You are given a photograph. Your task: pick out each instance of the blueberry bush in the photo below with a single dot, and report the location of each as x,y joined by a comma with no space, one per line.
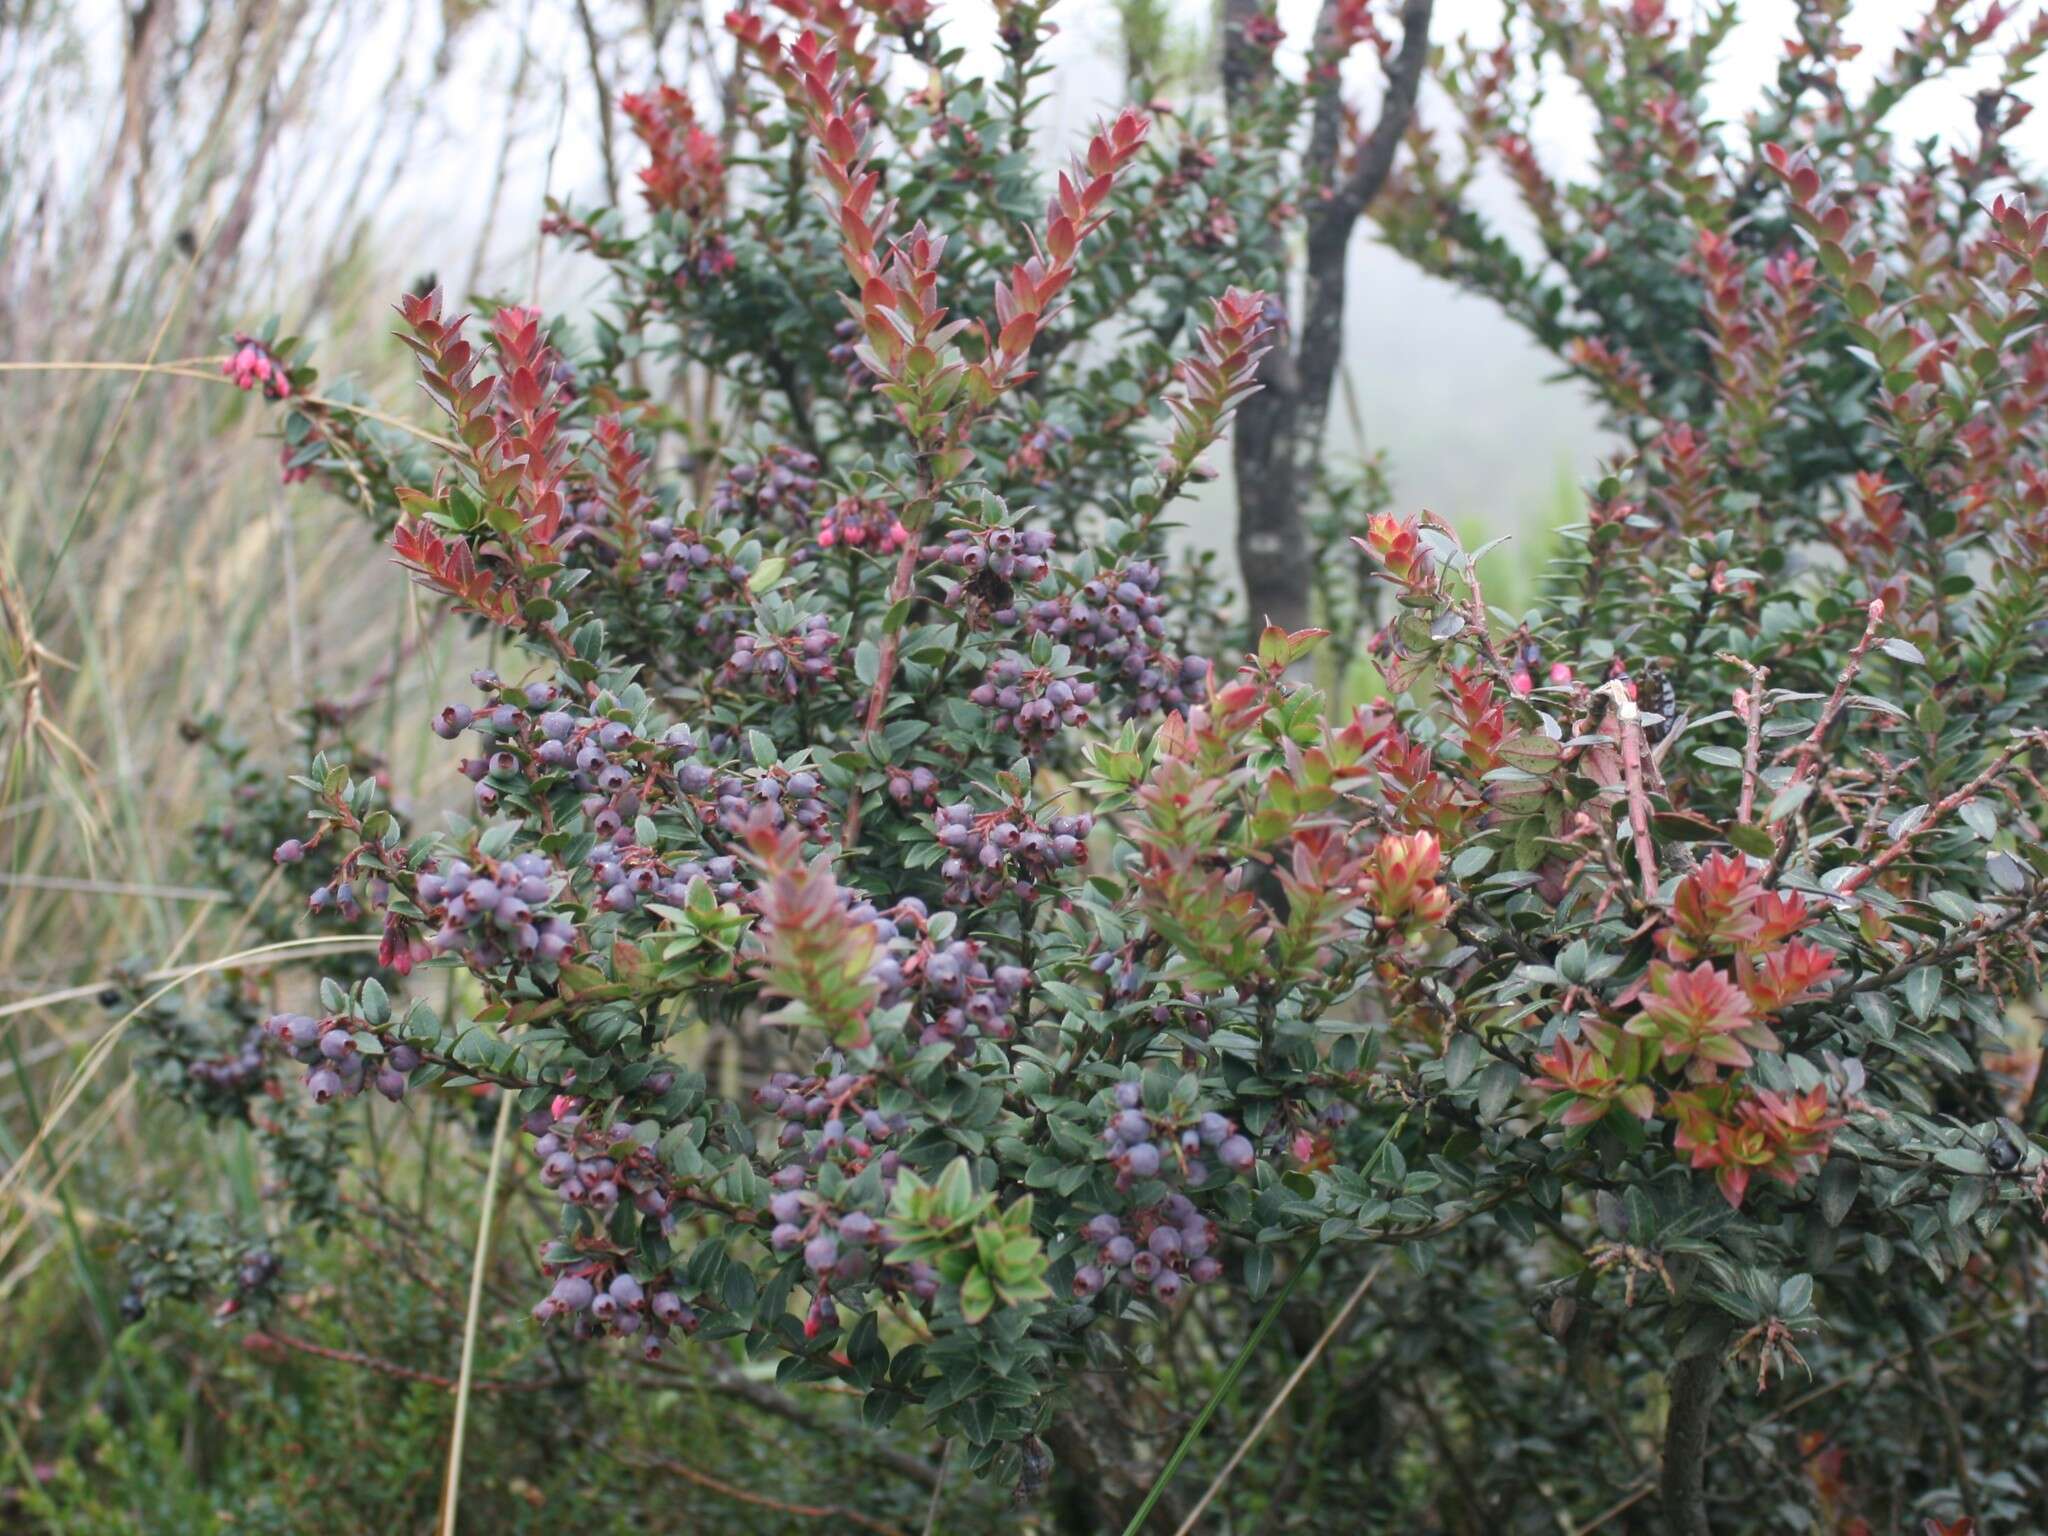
1647,971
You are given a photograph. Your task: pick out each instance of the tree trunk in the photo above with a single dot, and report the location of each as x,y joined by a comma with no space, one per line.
1694,1384
1278,447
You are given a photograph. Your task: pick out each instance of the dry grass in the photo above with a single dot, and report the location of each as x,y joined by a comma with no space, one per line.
153,569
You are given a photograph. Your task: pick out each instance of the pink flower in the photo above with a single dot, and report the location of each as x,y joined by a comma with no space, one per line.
1560,674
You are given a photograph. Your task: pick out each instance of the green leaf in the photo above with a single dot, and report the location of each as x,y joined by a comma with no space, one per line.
1838,1184
1752,840
1472,860
1461,1059
1258,1271
1981,817
1965,1198
1496,1086
1923,992
977,1296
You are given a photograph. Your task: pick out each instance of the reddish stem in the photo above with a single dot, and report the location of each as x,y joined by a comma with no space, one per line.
1937,814
885,671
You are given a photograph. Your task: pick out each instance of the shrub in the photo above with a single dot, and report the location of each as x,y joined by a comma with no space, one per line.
1646,963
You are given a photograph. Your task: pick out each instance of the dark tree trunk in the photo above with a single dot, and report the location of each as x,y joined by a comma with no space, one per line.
1098,1480
1279,437
1694,1384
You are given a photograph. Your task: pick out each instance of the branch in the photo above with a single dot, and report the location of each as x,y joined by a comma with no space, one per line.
1751,708
690,1474
1806,756
1404,79
1951,1429
1937,813
1630,719
264,1342
900,587
770,1401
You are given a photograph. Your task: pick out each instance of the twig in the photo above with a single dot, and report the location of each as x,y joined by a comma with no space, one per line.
885,669
266,1339
214,376
1952,1431
1937,813
1805,757
1753,718
1475,608
1631,722
768,1400
690,1474
1280,1398
931,1513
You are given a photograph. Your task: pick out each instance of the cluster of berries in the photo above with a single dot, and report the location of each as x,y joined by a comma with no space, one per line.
784,664
824,1124
1157,1250
258,1269
956,993
1114,623
1529,662
778,491
681,556
628,874
822,1121
836,1244
1035,702
252,363
991,852
918,786
255,1278
597,1166
492,911
602,758
1034,453
337,1065
860,523
709,260
775,796
339,897
991,561
844,355
233,1077
256,1275
601,1300
606,760
1145,1146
